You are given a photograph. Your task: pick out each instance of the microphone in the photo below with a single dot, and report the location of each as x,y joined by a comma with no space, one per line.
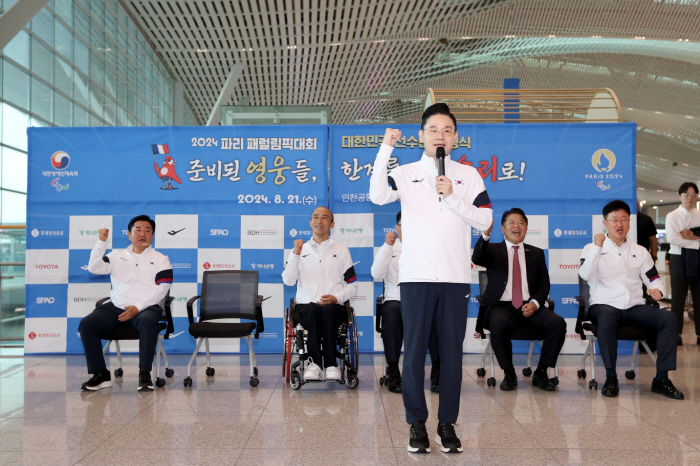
440,154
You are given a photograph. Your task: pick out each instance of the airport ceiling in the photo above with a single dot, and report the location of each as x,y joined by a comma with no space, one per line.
373,60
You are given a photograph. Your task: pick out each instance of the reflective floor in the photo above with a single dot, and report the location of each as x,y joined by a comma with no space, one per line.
45,419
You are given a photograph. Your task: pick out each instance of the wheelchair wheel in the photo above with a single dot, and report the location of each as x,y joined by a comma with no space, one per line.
353,350
295,381
353,381
289,342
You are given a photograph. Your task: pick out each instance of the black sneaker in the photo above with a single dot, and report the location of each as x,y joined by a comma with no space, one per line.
418,442
145,382
100,380
447,439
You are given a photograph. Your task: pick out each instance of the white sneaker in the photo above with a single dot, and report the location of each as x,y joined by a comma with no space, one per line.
332,373
312,372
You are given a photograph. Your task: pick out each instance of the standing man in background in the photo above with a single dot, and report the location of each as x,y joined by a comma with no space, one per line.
438,213
646,233
678,225
386,267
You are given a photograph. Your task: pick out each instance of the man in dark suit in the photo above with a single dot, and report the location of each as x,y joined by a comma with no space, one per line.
518,286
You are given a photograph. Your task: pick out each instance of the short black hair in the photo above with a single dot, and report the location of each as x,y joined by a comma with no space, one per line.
513,210
437,109
398,218
684,187
142,218
612,206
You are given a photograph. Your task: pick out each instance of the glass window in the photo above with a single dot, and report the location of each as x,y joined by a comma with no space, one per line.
64,41
121,64
97,70
81,23
121,93
42,26
42,100
14,127
15,85
111,24
80,89
18,49
97,10
111,53
96,101
95,121
130,101
109,116
14,208
14,170
110,83
122,39
97,40
82,56
121,116
63,110
64,77
64,9
42,61
80,116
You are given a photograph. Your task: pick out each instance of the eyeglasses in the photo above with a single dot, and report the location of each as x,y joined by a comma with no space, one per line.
690,195
433,132
615,221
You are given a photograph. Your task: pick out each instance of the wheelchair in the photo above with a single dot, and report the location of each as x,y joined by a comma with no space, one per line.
295,344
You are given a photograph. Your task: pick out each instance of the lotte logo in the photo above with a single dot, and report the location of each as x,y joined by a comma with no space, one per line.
206,266
32,335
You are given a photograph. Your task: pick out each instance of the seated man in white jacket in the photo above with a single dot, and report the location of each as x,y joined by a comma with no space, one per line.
386,267
141,278
325,277
615,269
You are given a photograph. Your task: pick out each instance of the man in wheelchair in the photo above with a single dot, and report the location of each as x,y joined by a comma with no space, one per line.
615,269
141,278
325,277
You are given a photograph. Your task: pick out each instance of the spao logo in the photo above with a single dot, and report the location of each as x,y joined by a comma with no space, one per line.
569,301
45,300
217,232
599,160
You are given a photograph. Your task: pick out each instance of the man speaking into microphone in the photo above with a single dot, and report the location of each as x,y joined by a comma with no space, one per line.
438,211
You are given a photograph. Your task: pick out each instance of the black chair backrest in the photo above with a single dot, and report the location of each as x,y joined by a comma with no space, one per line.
585,294
228,294
483,281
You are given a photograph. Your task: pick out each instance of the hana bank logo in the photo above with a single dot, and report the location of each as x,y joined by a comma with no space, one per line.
60,160
599,157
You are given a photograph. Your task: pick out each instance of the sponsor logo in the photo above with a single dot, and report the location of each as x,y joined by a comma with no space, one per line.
84,267
603,186
358,298
35,233
262,232
46,267
89,232
33,335
59,187
306,255
217,232
89,299
569,266
293,233
208,266
268,335
603,160
45,300
60,160
418,181
387,230
534,232
262,266
557,232
173,232
182,265
351,230
569,301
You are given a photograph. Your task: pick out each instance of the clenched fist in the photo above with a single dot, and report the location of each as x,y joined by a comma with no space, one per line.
391,136
103,234
390,238
298,244
599,239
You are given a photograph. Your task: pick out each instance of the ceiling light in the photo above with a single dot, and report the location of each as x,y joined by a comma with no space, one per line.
661,200
466,37
659,113
201,50
663,160
690,117
291,46
641,189
654,207
379,40
659,190
337,43
685,164
552,35
630,109
423,38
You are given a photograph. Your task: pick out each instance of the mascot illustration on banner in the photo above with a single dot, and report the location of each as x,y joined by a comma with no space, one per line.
167,171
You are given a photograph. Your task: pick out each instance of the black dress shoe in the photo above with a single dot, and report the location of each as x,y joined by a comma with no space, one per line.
666,388
541,379
510,382
611,387
395,383
435,379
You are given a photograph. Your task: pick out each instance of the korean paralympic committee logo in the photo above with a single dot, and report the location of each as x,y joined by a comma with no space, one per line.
599,156
60,160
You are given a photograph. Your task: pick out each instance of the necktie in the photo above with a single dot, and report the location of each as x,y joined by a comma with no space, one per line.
517,295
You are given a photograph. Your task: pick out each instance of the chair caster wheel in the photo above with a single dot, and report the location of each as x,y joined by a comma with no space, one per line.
555,380
383,381
295,381
169,372
581,374
187,382
160,382
527,372
491,381
593,385
352,381
210,372
254,381
630,375
481,372
118,373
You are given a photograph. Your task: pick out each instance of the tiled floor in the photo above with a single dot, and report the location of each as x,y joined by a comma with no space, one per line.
46,420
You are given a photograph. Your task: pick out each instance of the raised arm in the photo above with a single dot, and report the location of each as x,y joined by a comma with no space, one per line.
380,266
382,187
290,274
590,257
100,264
